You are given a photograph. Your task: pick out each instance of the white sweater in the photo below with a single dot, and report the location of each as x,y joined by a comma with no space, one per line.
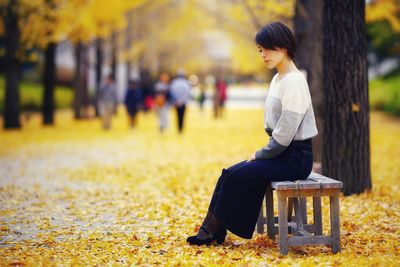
180,89
288,114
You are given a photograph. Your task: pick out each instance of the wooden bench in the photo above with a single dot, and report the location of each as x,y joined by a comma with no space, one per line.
292,195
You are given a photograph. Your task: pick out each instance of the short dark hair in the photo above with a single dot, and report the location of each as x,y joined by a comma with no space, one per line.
277,35
133,82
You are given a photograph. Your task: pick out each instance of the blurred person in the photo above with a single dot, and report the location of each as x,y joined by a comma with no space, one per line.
219,97
161,101
133,101
289,121
147,91
202,96
180,91
107,100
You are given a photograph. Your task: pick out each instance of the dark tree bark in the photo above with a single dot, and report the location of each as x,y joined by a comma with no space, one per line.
346,150
114,55
128,44
85,81
308,31
99,71
114,61
12,70
49,80
77,81
81,100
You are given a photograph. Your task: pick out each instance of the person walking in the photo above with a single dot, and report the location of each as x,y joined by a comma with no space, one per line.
220,96
107,100
180,91
289,121
133,101
202,96
161,95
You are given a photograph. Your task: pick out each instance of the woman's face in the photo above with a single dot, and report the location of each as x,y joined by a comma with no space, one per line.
272,57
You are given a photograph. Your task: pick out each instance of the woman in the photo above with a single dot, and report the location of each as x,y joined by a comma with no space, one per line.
161,91
290,123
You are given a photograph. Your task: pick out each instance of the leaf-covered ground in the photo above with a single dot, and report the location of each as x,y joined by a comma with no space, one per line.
77,195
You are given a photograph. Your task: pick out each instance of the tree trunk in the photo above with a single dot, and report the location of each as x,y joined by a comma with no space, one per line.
81,100
114,62
346,149
77,82
49,80
308,31
84,81
114,55
99,73
12,71
128,44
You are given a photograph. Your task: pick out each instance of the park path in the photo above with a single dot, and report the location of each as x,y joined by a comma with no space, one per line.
74,194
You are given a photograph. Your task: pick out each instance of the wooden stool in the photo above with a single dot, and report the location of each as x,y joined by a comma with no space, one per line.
292,194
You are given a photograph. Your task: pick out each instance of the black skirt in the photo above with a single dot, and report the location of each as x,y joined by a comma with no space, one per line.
240,190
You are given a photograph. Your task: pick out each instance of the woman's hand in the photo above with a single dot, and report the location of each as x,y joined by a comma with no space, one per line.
252,157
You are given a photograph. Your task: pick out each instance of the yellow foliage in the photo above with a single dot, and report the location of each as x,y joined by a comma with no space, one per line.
242,20
76,195
43,21
242,53
168,35
384,10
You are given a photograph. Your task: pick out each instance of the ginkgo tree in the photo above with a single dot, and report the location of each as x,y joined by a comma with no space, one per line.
41,24
383,25
241,19
166,35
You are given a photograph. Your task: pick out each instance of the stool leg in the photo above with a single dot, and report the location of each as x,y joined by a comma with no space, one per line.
317,215
298,213
303,209
283,224
290,209
260,222
270,217
335,223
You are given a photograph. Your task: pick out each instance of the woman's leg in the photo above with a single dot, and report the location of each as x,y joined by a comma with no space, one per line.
241,193
164,116
225,173
210,220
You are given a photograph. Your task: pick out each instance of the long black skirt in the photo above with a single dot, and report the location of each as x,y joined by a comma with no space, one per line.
238,195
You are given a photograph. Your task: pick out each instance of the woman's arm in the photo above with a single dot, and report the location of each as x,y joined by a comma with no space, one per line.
272,149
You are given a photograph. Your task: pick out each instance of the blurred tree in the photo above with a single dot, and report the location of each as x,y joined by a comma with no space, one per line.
43,23
97,19
241,19
308,30
81,97
346,142
385,41
114,51
99,71
38,23
128,43
49,70
49,81
12,61
179,43
388,10
383,18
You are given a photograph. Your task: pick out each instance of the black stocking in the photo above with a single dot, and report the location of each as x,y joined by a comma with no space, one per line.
212,225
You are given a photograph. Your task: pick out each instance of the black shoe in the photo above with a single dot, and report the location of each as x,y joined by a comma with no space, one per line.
219,236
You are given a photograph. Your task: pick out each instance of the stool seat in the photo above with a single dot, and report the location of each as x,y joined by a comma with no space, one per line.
292,196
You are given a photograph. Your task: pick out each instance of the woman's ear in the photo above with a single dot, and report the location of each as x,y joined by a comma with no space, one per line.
281,49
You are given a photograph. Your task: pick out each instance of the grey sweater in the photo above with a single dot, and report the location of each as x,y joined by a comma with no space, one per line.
288,114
